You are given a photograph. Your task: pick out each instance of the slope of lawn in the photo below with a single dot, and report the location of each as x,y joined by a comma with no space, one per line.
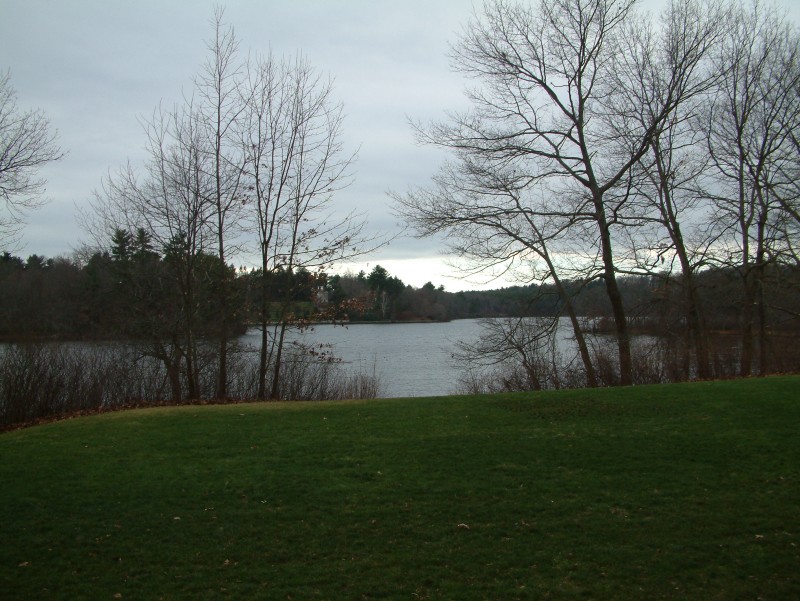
680,491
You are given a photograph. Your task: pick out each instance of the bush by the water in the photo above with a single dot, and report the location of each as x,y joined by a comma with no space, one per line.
45,381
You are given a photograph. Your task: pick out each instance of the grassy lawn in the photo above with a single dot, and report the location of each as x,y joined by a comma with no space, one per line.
680,491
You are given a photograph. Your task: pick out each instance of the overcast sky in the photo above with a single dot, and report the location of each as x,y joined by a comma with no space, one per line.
97,67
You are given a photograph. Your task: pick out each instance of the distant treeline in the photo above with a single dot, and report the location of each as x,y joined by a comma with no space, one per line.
130,290
654,302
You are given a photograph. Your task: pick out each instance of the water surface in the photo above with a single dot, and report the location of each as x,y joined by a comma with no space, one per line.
410,359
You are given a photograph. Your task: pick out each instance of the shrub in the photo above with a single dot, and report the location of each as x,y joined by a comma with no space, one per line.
47,381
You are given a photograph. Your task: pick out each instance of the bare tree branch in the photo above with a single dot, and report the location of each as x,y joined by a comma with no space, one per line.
27,143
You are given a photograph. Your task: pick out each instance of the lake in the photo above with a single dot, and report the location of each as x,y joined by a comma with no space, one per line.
410,359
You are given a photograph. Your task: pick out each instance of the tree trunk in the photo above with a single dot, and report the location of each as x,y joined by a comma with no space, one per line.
758,283
172,365
621,327
694,315
222,382
263,361
614,296
278,357
174,377
762,324
192,372
580,339
746,326
190,352
697,334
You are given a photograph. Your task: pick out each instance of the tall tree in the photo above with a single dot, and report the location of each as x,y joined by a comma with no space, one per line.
385,289
667,178
558,84
220,105
255,150
749,127
291,132
171,199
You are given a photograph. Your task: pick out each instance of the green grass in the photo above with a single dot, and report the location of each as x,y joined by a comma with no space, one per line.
680,491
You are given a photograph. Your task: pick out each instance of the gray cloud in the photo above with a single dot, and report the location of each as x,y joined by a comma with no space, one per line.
97,67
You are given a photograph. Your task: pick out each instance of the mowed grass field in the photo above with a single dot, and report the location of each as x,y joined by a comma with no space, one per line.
685,491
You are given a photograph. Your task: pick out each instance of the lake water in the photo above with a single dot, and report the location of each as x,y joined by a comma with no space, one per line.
410,359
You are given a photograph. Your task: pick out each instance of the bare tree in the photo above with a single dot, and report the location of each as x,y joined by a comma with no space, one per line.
218,88
666,179
291,129
788,192
785,185
27,143
565,104
171,199
749,132
673,238
255,148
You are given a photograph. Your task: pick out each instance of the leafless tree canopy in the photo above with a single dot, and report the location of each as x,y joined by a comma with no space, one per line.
603,141
250,160
27,143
